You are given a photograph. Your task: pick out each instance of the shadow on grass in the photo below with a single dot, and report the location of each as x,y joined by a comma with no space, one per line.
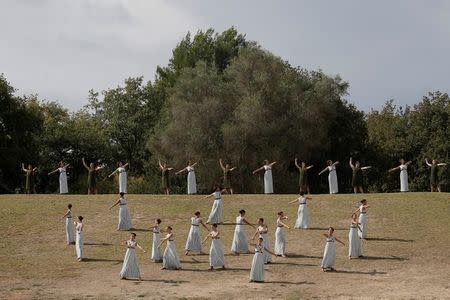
292,264
290,282
292,255
392,257
374,272
389,240
98,244
102,260
323,228
164,281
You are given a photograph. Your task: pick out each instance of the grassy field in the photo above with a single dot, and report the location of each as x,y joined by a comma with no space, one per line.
406,255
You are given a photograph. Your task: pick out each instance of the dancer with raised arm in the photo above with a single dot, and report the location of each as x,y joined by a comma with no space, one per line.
165,182
124,215
280,239
79,241
130,268
227,169
257,270
354,241
121,170
216,256
170,256
332,176
240,244
262,232
216,215
156,233
302,221
362,220
92,176
30,172
329,254
62,169
434,180
268,180
357,177
194,241
191,181
69,225
403,167
303,180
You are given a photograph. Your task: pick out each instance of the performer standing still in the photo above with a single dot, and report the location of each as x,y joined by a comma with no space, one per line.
268,181
62,177
434,180
165,183
30,172
403,167
332,176
191,181
357,177
92,176
227,169
303,180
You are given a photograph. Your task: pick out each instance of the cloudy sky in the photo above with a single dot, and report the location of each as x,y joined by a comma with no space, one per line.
60,49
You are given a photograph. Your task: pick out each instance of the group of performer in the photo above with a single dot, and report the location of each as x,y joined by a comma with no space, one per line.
240,244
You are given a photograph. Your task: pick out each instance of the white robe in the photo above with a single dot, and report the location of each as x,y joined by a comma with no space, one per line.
332,180
63,189
404,178
280,240
194,242
79,242
191,181
240,243
216,255
216,215
302,214
170,256
124,216
69,228
130,268
329,254
363,222
268,182
354,242
257,270
122,179
156,253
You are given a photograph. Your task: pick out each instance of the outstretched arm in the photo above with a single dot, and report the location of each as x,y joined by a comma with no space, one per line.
117,202
181,171
206,238
296,163
272,163
139,246
426,161
257,170
66,214
285,225
52,172
254,235
206,227
232,169
393,169
321,172
441,164
23,168
160,165
339,241
335,163
351,163
194,164
307,168
366,168
293,201
248,223
34,169
221,164
84,164
112,173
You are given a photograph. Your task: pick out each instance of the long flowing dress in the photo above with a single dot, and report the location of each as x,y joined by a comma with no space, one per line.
239,244
354,242
280,240
170,256
29,183
63,189
216,256
357,177
268,182
329,254
404,178
69,228
332,179
122,179
156,253
124,215
302,214
216,215
363,222
130,268
194,242
92,179
263,233
165,179
303,181
227,179
79,242
191,181
257,270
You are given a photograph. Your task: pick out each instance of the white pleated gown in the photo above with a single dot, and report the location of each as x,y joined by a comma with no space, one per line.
194,242
302,214
69,228
239,244
332,180
354,242
79,241
122,179
263,234
257,270
268,181
63,189
404,187
363,221
170,257
280,240
156,253
191,181
130,268
124,216
216,215
329,254
216,256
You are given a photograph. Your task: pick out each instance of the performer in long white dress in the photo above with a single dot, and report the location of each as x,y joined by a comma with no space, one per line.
362,220
332,176
191,181
170,256
121,170
354,241
329,254
262,231
240,243
216,215
130,268
257,270
156,253
63,189
268,181
216,256
280,239
403,167
194,241
302,221
434,178
124,214
79,241
69,225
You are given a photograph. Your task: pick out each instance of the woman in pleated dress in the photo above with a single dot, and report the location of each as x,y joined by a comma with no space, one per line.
122,171
216,256
191,181
130,268
240,243
268,180
62,169
362,220
357,176
354,241
332,176
216,215
227,169
302,221
124,214
262,231
403,167
194,241
165,182
303,180
156,233
329,254
92,176
69,225
30,173
257,269
79,241
280,239
434,180
170,256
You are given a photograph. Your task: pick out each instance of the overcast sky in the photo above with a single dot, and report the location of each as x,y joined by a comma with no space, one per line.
60,49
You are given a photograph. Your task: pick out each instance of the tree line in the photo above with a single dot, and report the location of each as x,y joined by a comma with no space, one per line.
222,96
